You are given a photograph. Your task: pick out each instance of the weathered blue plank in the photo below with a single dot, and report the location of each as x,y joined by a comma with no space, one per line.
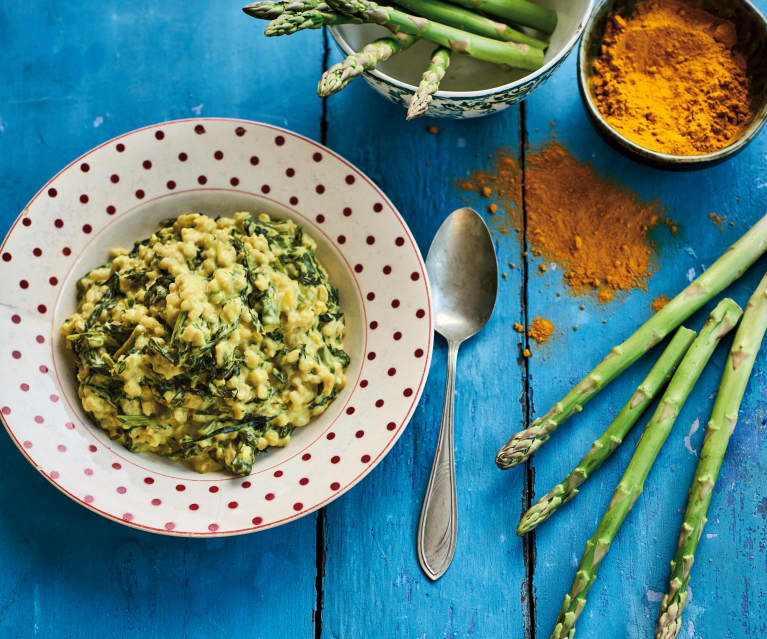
75,74
729,582
373,585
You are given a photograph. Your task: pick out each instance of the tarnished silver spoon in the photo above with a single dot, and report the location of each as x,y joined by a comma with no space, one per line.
464,281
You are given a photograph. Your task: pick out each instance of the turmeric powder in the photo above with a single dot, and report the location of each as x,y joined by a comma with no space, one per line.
671,78
540,330
659,302
596,231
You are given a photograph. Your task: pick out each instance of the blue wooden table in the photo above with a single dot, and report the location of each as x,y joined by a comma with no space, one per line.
77,73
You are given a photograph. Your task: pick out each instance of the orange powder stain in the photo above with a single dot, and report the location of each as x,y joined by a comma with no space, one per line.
540,330
659,302
595,230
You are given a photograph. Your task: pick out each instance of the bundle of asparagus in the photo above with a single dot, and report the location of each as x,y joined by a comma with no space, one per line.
721,320
461,27
682,361
724,416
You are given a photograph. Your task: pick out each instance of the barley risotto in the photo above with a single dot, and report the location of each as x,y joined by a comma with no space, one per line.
210,341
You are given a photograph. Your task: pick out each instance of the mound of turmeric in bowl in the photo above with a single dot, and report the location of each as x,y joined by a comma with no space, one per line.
671,79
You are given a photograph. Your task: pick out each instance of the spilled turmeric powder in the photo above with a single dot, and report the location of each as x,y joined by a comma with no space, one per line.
540,330
595,230
659,302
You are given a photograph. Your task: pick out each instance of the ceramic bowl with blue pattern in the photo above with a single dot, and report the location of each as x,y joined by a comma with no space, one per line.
471,88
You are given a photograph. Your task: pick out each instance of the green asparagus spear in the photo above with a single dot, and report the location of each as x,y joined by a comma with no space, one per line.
470,21
724,416
269,9
339,75
728,268
603,447
519,11
290,22
419,103
509,53
721,320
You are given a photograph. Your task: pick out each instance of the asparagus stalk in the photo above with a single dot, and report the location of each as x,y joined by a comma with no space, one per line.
269,10
724,416
519,11
728,268
419,103
510,53
721,320
339,75
470,21
603,447
289,22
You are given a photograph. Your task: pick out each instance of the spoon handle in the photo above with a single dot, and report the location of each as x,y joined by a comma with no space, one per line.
438,526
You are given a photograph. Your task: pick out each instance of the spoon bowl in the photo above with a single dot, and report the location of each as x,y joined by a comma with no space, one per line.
463,273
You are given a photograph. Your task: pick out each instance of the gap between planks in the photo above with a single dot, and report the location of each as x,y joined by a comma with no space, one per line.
528,541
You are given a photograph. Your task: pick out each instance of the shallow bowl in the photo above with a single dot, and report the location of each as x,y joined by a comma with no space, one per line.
471,88
752,36
116,194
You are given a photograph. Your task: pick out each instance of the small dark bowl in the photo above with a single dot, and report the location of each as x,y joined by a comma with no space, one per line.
752,38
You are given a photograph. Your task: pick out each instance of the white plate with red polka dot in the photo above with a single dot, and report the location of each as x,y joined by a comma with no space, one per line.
116,194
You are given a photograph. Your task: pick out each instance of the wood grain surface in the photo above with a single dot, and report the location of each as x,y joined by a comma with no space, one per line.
75,74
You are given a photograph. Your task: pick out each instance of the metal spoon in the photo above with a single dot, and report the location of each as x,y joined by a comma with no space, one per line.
464,281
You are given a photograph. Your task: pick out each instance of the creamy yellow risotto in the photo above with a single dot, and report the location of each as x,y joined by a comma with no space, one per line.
210,341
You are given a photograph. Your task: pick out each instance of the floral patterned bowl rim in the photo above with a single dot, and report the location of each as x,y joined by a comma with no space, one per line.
115,194
531,77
